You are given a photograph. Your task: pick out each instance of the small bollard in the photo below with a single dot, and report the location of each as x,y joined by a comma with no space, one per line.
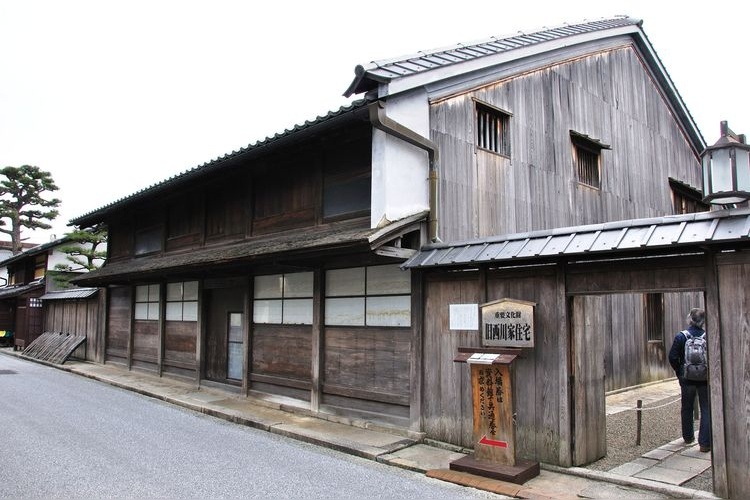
638,417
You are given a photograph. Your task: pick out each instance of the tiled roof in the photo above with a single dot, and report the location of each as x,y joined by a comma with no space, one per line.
34,250
622,237
340,235
93,216
382,71
11,291
71,293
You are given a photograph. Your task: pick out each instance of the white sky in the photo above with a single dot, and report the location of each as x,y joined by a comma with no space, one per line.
112,97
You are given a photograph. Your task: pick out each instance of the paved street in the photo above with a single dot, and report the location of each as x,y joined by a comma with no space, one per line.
65,436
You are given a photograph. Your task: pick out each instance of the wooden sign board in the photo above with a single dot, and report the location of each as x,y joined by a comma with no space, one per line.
494,438
508,323
494,432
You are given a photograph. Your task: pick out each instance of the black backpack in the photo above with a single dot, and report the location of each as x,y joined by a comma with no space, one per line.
695,367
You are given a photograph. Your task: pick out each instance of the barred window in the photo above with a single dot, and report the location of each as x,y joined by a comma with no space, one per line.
654,316
587,158
493,130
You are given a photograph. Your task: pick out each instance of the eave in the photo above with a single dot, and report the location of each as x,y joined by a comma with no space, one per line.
287,246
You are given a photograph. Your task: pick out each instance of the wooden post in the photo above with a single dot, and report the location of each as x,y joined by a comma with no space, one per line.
638,418
316,343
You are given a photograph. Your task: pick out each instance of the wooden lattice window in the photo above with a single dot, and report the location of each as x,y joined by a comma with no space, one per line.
588,159
654,316
493,130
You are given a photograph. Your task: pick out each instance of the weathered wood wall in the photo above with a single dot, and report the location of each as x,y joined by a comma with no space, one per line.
145,353
368,369
609,97
118,325
180,338
730,393
601,345
79,317
539,388
281,359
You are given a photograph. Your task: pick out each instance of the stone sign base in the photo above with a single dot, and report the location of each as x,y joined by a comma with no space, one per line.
518,474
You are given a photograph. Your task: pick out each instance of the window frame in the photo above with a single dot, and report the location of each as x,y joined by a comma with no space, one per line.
284,296
653,317
193,300
584,147
365,298
498,139
151,289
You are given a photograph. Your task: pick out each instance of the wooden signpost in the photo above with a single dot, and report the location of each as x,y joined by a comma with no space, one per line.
505,323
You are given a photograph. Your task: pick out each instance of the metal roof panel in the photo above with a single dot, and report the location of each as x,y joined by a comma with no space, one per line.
511,249
729,229
695,231
617,236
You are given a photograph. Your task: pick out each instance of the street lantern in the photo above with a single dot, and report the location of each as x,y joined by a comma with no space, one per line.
726,169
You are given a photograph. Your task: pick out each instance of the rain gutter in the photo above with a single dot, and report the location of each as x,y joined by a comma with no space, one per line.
391,127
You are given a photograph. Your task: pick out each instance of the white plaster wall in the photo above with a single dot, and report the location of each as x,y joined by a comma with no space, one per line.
55,257
400,170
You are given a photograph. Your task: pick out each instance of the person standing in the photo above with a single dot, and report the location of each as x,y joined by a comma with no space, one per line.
689,386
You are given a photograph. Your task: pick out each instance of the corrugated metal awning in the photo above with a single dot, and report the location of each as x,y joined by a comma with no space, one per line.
679,231
73,293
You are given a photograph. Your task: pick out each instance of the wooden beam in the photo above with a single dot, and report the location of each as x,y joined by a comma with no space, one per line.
247,337
317,340
200,334
415,366
131,325
161,327
716,376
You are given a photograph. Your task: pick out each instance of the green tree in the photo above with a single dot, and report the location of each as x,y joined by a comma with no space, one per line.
22,204
84,249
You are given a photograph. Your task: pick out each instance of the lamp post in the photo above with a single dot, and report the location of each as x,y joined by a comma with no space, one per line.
726,169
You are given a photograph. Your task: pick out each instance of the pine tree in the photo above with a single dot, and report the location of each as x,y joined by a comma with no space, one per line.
21,201
82,253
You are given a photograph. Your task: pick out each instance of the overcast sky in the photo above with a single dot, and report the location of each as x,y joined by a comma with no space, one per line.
112,97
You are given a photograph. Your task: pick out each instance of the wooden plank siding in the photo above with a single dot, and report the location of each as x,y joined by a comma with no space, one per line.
602,346
282,351
79,317
446,404
536,383
118,325
368,369
608,96
730,394
146,345
180,339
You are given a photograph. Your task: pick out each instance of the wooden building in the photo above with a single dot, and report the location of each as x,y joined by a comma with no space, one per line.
32,301
279,269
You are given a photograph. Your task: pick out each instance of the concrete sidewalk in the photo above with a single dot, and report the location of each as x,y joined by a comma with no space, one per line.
395,448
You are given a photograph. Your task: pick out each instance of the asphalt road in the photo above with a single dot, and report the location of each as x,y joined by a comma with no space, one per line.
64,436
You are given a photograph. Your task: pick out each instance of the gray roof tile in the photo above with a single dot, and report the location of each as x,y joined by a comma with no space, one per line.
389,69
689,230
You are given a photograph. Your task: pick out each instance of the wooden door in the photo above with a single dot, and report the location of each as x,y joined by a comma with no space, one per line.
222,305
589,407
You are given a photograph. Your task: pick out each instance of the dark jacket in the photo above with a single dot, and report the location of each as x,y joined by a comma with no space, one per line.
677,353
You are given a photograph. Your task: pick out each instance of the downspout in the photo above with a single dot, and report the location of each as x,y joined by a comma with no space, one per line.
380,121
